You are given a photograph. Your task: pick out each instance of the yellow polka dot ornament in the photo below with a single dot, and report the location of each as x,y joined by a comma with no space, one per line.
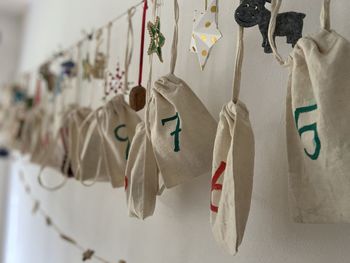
205,32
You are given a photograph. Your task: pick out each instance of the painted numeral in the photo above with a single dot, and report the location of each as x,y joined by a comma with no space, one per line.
308,128
176,132
119,138
215,186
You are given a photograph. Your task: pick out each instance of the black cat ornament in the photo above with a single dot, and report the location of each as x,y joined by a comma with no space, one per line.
253,12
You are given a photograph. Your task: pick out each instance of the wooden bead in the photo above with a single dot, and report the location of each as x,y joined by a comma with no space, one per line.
137,98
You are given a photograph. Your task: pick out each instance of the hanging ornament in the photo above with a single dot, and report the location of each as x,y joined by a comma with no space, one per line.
137,96
205,33
47,75
69,68
115,81
87,68
157,38
100,58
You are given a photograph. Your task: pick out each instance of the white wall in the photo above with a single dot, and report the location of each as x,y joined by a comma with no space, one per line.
10,28
179,231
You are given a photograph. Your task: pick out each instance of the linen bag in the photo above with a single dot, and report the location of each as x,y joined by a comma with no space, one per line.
25,136
36,130
317,124
141,175
78,115
141,181
233,167
56,155
90,165
117,126
117,121
181,128
49,157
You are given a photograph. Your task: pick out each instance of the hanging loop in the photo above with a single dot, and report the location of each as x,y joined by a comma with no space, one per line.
237,75
142,47
325,15
129,48
175,38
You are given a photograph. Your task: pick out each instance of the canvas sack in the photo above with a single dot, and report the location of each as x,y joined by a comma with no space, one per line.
36,133
141,182
141,175
233,167
74,122
318,126
90,168
181,128
117,126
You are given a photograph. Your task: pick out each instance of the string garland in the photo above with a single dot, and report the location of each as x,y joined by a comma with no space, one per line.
87,37
37,209
87,254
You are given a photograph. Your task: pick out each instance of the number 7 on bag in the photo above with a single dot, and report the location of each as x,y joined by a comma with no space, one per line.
176,132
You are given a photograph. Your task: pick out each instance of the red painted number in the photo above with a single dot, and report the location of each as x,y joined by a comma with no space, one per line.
215,185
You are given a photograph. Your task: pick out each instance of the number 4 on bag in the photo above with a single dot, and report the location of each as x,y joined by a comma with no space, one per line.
176,132
215,186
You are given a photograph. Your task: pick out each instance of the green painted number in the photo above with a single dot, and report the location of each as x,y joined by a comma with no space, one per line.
176,132
119,138
307,128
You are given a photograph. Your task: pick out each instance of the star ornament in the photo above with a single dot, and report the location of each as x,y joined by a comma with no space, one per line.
157,39
205,33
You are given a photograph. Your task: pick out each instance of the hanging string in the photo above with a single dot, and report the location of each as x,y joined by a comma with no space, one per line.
86,37
87,254
155,13
143,29
79,75
106,74
109,36
129,48
206,5
175,38
237,73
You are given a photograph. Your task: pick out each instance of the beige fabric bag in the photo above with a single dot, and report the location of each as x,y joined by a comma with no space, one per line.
233,167
91,158
37,133
74,130
141,176
141,182
26,138
117,126
318,125
182,130
51,152
56,154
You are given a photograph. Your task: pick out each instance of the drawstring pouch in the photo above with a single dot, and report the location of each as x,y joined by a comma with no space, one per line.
181,128
233,167
317,123
141,177
117,127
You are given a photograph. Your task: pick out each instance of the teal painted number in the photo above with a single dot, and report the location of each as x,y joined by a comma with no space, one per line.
176,132
307,128
119,138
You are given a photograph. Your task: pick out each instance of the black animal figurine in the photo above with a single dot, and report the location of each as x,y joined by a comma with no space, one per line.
253,12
